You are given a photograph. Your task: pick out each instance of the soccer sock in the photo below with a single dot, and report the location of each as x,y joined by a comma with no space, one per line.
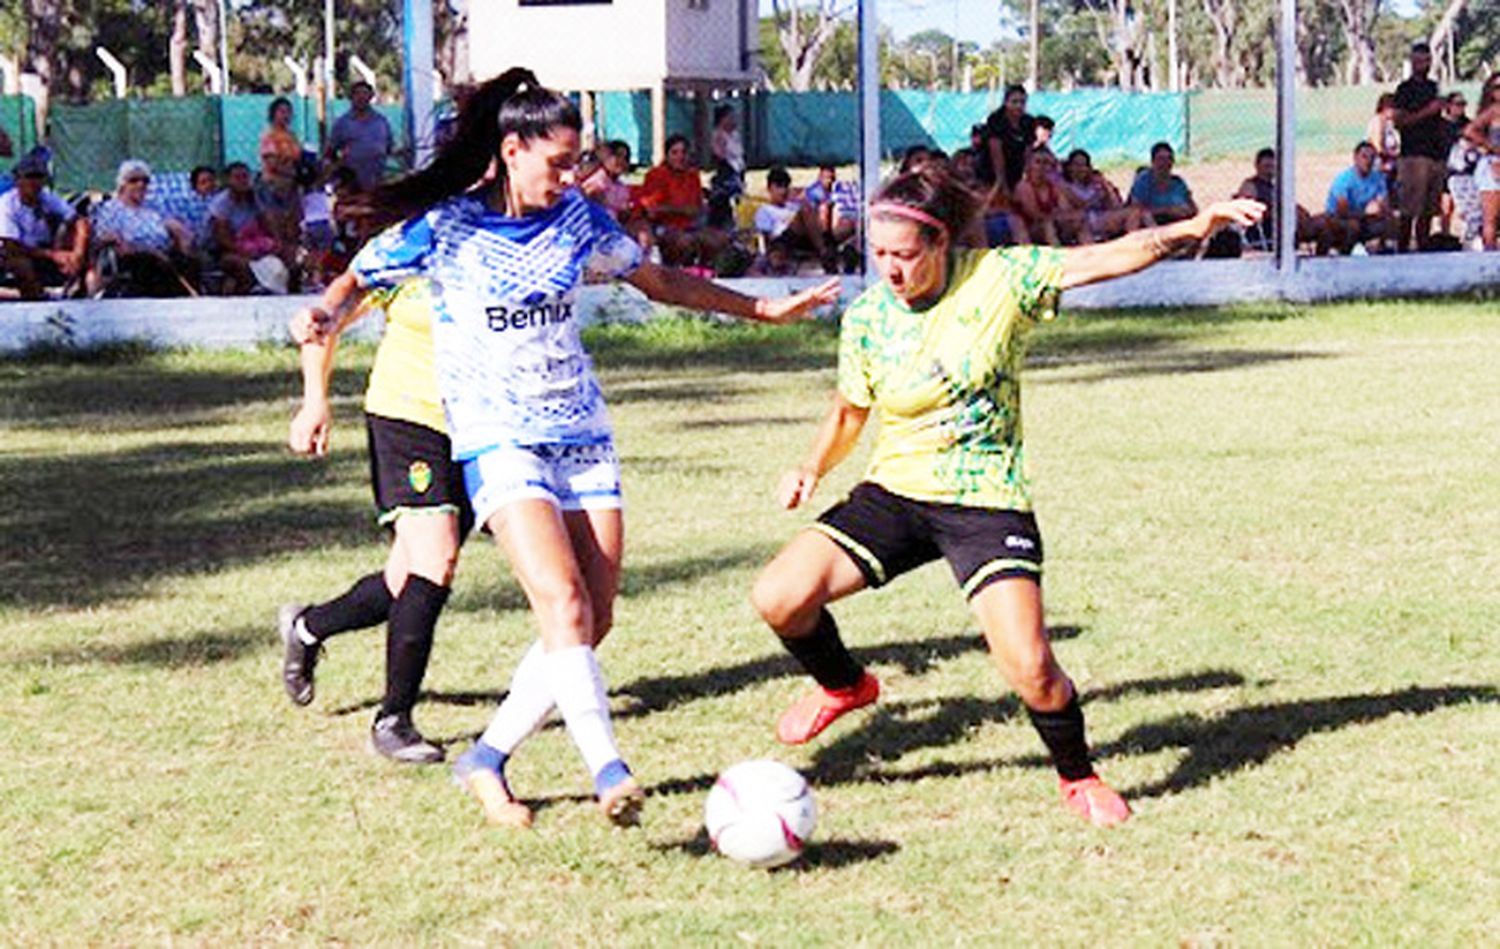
578,689
526,705
823,655
408,642
366,603
484,756
1062,733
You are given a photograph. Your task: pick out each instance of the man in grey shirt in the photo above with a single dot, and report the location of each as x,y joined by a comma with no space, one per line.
361,138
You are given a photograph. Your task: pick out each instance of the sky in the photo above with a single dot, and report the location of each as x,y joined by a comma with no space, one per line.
974,20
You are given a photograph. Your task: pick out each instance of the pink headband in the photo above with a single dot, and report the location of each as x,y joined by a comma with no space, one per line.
908,212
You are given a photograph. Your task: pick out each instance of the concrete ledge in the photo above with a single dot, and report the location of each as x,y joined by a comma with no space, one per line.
240,322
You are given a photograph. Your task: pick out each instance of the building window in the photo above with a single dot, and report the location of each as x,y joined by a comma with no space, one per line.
697,4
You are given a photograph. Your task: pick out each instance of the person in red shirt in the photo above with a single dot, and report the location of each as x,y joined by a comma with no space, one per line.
672,199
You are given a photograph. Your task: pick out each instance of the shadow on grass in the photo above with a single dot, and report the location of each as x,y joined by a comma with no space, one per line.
142,394
820,854
899,728
1214,747
661,693
85,529
187,652
755,421
1246,737
1183,362
671,344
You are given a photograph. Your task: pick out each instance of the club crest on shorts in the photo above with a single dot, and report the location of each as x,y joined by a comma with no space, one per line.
419,476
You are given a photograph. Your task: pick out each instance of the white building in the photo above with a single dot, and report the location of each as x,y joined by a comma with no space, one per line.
703,46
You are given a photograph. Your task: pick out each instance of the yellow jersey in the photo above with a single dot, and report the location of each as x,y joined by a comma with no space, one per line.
946,381
403,381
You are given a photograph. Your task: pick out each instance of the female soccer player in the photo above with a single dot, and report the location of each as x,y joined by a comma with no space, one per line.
419,493
937,347
524,410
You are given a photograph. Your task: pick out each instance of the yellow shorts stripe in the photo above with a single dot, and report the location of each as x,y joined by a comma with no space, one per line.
994,567
854,547
389,517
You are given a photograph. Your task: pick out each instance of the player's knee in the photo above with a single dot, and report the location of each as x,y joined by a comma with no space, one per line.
780,604
563,606
1039,683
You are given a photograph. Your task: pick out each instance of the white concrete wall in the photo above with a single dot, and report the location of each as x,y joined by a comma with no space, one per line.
703,39
617,45
250,321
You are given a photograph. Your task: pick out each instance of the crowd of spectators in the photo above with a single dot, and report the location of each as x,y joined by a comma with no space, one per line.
1426,176
280,228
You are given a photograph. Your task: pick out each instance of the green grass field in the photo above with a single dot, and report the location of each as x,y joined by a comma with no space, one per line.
1272,566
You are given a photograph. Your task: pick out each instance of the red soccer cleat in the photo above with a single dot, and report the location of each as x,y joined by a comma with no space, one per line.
822,707
1094,801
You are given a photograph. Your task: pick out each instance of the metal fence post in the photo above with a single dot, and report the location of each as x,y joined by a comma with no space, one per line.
1286,135
869,118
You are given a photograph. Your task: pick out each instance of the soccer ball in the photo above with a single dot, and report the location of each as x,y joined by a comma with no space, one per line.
760,813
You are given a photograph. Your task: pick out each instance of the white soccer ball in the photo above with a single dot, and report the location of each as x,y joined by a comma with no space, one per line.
760,813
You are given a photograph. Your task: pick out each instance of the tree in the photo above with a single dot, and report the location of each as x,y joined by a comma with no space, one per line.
1359,27
802,35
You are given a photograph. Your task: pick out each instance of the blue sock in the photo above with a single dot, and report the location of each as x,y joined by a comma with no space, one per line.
484,756
610,775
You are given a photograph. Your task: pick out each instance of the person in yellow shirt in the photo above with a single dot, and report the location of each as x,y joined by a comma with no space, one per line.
419,494
936,347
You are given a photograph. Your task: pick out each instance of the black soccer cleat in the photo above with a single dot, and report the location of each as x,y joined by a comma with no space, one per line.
394,737
298,659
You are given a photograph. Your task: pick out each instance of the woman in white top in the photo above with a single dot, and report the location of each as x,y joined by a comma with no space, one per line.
525,413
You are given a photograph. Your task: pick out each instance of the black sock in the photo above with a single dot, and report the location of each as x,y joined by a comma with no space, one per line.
1062,733
366,603
408,642
823,655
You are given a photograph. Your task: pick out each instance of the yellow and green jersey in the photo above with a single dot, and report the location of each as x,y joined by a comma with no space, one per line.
403,381
946,381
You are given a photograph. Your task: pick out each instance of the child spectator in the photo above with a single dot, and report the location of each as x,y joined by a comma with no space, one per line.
836,204
791,224
317,229
1043,133
1382,133
728,181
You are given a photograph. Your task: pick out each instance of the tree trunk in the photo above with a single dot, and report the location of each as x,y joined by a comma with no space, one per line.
803,49
177,48
206,23
1359,23
1441,34
42,40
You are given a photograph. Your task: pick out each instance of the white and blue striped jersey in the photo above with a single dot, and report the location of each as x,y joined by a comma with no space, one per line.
510,365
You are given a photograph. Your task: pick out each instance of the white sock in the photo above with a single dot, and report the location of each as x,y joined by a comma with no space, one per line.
578,689
526,707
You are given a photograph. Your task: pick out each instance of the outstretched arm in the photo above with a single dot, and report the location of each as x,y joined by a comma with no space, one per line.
313,423
339,306
1141,249
836,437
669,285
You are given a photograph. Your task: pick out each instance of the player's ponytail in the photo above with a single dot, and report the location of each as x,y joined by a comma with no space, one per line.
933,199
511,102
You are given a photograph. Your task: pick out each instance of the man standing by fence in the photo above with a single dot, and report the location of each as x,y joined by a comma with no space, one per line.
1421,172
361,138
